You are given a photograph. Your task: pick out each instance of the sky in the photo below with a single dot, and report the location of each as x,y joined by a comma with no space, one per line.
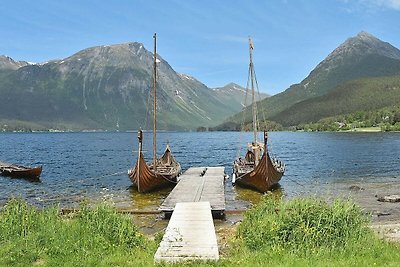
206,39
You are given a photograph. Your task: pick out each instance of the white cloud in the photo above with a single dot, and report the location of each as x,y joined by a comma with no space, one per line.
370,5
386,4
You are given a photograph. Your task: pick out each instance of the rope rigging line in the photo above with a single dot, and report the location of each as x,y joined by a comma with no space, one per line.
169,180
243,116
258,91
259,99
257,110
149,97
262,110
147,109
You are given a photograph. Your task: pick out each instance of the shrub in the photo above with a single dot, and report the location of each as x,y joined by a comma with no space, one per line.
302,224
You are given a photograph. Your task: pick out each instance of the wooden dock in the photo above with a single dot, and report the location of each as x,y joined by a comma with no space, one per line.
198,184
190,234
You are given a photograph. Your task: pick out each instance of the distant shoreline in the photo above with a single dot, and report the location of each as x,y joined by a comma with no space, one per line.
366,130
353,130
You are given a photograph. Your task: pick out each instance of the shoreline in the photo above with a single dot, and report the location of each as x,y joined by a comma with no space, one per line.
354,130
384,216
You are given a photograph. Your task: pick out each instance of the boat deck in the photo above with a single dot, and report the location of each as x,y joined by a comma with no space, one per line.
198,184
3,164
190,234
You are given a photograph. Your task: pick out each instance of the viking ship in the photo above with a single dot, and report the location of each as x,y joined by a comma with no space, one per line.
256,170
163,171
18,171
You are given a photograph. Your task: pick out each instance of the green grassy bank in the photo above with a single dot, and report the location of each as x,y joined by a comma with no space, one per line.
299,232
90,237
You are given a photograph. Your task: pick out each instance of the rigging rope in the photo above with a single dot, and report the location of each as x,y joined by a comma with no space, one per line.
263,111
243,115
147,110
259,98
169,180
258,92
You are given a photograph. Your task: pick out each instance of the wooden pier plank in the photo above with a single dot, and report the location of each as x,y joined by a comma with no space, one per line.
189,235
195,187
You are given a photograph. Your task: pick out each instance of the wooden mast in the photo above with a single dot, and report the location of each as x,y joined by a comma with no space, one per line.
140,139
254,105
155,104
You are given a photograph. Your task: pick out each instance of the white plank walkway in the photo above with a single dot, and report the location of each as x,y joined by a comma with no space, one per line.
190,234
198,184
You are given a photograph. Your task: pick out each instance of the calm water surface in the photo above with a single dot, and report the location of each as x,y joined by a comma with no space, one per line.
93,166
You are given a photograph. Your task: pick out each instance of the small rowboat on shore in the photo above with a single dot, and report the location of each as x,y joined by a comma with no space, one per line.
17,171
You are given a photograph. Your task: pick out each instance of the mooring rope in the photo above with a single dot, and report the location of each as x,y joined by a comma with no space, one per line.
167,179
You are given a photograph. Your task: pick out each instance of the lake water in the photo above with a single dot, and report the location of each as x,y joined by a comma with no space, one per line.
93,166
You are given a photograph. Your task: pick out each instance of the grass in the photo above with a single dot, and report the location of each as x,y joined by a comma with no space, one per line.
299,232
302,224
90,237
310,232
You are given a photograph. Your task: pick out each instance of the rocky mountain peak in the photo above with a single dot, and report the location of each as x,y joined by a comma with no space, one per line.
365,35
99,60
234,86
355,49
118,54
361,45
7,62
230,87
5,58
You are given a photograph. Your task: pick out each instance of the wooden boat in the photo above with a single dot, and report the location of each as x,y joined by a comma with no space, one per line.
161,172
17,171
252,171
147,178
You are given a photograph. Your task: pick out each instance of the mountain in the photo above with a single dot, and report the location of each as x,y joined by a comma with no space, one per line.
367,94
235,94
358,57
7,63
110,87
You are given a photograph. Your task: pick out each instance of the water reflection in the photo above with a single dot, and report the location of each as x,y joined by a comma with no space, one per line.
148,201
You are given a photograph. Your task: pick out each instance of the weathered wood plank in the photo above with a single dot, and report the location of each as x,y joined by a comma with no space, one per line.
198,184
189,235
